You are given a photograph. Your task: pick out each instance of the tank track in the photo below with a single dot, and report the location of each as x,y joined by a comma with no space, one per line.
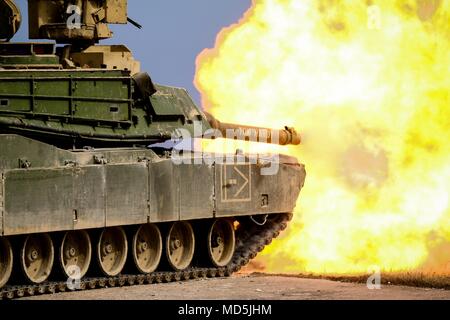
249,242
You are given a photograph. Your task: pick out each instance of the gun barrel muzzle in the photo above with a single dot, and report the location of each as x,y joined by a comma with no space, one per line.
286,136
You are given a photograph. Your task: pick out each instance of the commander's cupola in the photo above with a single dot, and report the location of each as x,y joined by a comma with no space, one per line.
77,24
10,19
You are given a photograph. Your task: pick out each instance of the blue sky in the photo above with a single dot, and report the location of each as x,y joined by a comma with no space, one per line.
174,33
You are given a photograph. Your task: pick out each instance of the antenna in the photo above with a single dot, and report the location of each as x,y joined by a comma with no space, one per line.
134,23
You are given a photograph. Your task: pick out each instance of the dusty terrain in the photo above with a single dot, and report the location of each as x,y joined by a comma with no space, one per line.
259,287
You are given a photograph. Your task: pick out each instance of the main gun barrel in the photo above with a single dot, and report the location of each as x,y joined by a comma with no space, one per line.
286,136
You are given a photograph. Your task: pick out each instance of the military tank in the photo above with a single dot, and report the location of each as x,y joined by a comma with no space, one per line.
90,189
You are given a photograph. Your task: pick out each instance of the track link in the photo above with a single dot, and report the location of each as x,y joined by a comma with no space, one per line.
249,243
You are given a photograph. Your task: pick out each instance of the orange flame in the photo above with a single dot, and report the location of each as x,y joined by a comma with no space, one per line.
367,83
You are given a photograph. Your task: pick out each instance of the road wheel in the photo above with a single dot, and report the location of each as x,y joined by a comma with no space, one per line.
112,249
6,261
147,248
221,242
180,245
37,256
75,254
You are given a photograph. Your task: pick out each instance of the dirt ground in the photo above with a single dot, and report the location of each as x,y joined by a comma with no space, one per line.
251,287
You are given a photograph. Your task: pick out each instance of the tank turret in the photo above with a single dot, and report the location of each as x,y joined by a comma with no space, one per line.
88,94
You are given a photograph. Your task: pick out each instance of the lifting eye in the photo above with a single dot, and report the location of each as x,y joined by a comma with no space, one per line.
114,109
4,102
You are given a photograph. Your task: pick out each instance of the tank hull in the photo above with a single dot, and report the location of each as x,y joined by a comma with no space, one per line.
73,190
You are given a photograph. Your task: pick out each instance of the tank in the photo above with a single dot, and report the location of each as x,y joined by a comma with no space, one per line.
92,192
